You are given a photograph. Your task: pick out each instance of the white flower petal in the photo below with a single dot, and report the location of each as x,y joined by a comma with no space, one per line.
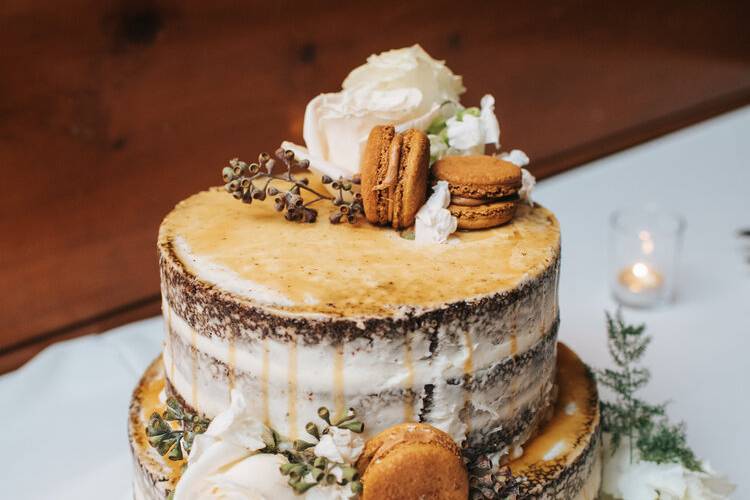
516,156
490,125
465,134
528,182
435,223
644,480
404,87
340,446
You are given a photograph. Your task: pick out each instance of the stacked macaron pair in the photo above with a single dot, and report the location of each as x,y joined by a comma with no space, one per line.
395,173
484,189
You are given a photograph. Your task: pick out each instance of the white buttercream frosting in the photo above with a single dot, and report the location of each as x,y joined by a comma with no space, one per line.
434,221
643,480
404,87
225,463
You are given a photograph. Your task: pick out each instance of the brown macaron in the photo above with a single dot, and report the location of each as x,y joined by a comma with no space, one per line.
394,175
413,460
484,189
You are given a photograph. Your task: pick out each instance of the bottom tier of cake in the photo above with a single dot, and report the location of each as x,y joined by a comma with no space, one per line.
562,462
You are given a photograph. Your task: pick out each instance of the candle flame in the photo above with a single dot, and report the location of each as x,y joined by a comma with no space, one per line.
640,270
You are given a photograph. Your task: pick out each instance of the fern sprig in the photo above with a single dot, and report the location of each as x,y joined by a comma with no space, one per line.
645,426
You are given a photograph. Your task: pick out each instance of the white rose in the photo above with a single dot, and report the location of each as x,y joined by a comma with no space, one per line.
237,425
403,87
224,461
340,446
250,477
643,480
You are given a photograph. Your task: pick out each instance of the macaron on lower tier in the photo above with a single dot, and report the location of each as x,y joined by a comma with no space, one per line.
484,189
563,460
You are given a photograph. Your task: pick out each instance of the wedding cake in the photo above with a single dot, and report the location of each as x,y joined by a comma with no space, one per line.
293,345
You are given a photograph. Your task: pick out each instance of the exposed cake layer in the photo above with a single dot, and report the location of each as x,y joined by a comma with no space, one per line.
562,462
496,402
154,476
461,335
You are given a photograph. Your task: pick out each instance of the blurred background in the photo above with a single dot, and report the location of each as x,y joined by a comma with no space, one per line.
112,112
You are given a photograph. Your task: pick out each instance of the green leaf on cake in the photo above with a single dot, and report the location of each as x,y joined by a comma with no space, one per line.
174,441
645,426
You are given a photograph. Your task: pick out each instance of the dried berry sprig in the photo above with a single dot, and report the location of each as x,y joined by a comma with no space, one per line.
240,180
350,210
306,470
490,482
175,443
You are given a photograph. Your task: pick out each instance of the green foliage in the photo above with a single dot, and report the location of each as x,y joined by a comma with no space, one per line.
645,426
306,470
174,441
667,443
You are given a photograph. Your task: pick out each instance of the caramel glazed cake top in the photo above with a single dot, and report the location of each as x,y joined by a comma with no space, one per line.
298,316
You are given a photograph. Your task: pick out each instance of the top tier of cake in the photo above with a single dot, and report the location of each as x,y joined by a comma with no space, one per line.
351,271
298,316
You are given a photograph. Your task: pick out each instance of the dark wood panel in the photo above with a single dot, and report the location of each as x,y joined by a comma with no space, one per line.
111,112
20,352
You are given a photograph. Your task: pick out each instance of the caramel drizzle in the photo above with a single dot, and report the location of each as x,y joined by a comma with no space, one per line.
292,389
468,371
194,367
339,399
409,382
513,339
264,375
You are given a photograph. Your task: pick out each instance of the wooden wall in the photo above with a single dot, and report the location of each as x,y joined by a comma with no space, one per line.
111,112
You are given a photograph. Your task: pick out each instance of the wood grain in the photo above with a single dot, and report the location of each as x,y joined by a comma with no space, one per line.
111,112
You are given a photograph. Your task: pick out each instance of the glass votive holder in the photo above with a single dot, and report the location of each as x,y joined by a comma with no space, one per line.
644,247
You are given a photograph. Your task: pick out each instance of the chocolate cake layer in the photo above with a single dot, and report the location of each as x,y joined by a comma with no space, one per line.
564,461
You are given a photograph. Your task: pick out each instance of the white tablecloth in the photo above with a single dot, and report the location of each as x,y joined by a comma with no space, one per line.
63,418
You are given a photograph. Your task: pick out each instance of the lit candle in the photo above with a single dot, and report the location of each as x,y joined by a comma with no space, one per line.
641,278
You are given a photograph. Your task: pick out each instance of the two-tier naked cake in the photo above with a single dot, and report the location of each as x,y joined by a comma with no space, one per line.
276,325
